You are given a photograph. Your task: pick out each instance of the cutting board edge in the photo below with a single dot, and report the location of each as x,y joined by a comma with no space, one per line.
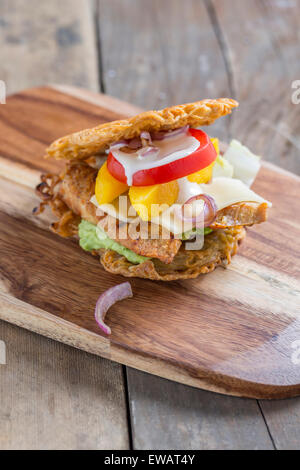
16,312
81,338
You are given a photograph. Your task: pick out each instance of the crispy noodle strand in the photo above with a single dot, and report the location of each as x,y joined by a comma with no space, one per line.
47,190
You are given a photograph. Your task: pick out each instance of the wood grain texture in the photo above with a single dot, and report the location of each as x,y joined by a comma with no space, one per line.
256,303
48,391
25,137
154,70
181,62
48,42
25,70
283,418
262,54
208,55
44,42
182,416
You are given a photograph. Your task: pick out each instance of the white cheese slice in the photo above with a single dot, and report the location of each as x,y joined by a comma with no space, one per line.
245,163
228,191
225,191
120,208
170,221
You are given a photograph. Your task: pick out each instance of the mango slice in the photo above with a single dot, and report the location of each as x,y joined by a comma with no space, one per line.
202,176
107,187
205,175
215,143
150,201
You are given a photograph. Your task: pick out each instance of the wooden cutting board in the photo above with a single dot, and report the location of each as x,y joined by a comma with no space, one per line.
233,331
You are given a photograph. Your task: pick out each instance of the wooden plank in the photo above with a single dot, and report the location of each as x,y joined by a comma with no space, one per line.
48,42
63,114
180,417
156,59
261,47
49,405
181,62
283,418
57,397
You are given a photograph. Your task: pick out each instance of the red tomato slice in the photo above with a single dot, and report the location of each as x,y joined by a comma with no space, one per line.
201,158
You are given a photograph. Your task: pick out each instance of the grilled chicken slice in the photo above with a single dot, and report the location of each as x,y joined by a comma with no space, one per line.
77,188
242,213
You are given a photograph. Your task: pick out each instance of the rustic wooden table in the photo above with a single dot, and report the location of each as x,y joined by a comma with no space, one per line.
151,53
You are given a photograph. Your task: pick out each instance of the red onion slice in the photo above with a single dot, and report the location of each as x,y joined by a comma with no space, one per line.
109,298
147,151
169,134
210,210
135,143
146,136
118,145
